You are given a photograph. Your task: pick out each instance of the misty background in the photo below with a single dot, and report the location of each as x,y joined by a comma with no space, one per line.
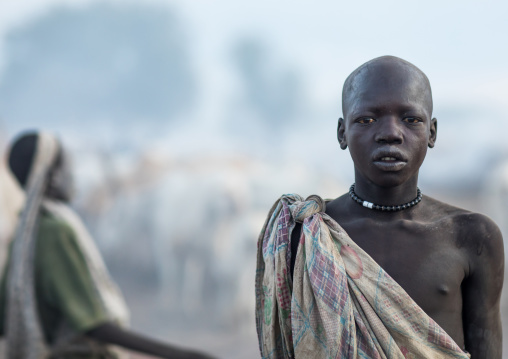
186,120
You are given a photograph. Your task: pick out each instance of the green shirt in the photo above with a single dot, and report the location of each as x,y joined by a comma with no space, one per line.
65,291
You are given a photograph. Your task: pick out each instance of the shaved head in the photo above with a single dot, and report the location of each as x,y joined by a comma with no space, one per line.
388,72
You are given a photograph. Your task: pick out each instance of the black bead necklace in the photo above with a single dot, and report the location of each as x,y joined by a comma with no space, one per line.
371,205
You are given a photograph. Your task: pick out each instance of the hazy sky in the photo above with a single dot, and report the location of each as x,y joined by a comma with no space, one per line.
460,45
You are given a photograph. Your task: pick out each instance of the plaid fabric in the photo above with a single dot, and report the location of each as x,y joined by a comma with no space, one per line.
340,302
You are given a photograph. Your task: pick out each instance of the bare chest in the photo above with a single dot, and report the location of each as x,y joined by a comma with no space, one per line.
423,259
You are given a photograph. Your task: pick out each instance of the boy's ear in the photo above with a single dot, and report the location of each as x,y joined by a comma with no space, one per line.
341,136
432,133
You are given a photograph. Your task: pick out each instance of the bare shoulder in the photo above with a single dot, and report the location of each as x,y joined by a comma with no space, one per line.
472,230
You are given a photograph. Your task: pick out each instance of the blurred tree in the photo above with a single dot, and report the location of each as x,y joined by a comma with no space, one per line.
273,95
118,63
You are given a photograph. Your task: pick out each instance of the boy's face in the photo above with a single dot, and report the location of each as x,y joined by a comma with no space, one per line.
387,125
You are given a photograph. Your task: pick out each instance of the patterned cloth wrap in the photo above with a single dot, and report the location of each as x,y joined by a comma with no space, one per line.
340,302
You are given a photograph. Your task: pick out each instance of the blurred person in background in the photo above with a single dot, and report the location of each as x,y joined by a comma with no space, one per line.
381,271
56,296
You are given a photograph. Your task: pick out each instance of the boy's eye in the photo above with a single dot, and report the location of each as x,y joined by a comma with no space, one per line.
365,120
412,120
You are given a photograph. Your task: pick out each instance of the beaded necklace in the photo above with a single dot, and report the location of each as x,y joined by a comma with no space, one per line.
371,205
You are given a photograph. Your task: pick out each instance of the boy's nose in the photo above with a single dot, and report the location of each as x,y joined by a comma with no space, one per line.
389,131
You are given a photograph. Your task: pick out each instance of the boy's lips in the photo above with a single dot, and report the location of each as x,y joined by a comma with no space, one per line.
389,160
395,165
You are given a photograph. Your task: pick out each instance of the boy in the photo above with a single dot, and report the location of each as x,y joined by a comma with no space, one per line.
383,271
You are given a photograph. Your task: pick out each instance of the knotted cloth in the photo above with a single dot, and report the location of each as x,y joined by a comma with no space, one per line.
340,303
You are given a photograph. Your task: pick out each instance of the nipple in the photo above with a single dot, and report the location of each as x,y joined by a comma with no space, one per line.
443,289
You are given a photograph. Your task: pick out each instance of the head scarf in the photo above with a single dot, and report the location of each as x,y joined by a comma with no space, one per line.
24,334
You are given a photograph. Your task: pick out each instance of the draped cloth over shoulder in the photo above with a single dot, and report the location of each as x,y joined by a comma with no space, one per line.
25,337
340,302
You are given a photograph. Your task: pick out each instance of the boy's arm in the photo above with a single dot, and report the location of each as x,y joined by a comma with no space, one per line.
482,289
113,334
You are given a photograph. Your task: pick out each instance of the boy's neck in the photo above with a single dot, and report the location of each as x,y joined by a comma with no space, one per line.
386,196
